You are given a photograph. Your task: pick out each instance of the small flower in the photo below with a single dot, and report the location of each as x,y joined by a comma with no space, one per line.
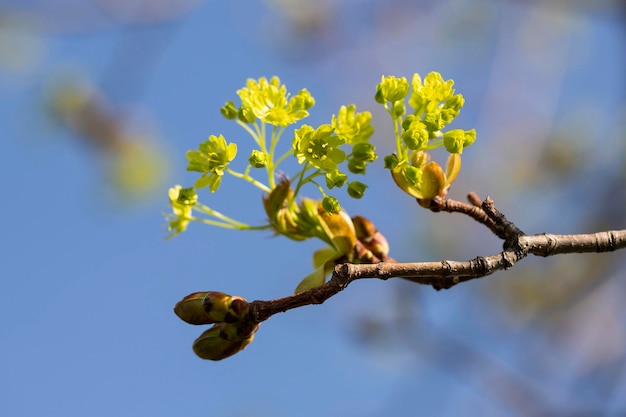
433,90
356,189
229,110
269,102
182,201
457,139
391,89
362,154
257,159
319,147
335,179
434,100
352,127
302,101
211,160
415,136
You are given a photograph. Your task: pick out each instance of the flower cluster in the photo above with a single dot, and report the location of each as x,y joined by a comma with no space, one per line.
269,102
328,155
435,105
321,149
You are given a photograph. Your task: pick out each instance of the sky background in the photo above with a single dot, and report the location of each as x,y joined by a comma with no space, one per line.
88,282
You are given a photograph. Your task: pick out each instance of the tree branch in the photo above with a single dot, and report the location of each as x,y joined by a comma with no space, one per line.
447,273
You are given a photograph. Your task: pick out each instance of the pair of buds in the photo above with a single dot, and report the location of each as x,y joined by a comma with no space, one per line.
231,331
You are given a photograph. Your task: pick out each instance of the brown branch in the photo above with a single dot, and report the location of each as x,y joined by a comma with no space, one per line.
472,210
447,273
234,325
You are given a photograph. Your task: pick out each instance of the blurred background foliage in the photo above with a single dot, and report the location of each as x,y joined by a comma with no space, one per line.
101,98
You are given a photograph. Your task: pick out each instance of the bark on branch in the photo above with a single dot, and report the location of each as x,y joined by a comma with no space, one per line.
448,273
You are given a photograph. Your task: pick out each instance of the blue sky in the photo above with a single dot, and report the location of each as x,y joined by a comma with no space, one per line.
89,283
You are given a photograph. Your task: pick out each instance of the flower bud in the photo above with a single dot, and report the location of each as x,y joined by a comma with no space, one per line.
415,136
419,159
356,189
335,179
257,159
221,341
391,161
229,110
455,140
398,109
331,205
364,151
391,89
211,307
356,167
246,115
371,238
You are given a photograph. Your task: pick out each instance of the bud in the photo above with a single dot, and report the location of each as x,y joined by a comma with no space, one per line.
415,136
356,167
331,205
398,109
229,111
302,101
433,121
257,159
391,89
455,140
356,189
364,151
335,178
371,238
211,307
246,115
391,161
419,159
222,340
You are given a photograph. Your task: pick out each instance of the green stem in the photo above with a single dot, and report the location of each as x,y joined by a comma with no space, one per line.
210,212
434,144
401,150
263,138
302,180
249,179
319,187
228,225
283,156
271,166
226,221
247,128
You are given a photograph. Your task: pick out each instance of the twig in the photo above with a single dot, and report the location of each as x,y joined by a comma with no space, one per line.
447,273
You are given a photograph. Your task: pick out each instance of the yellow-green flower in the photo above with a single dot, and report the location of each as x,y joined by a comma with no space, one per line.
182,201
211,159
352,127
270,102
432,90
319,147
457,139
391,89
415,136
